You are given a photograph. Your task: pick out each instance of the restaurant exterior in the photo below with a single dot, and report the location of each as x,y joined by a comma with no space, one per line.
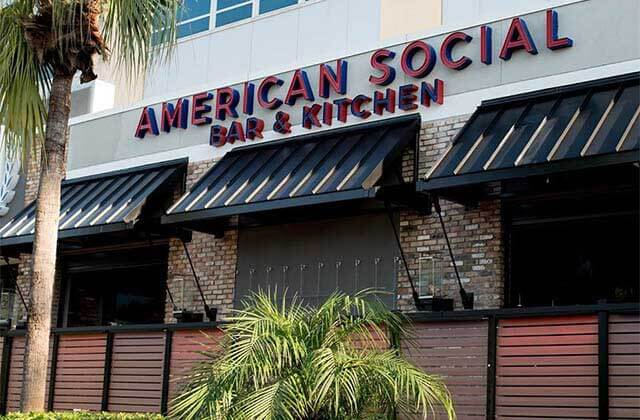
485,178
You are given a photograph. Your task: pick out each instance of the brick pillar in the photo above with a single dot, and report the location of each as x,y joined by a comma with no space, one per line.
214,261
475,234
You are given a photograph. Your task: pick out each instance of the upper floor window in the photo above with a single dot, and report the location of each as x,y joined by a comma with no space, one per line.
193,17
271,5
230,11
196,16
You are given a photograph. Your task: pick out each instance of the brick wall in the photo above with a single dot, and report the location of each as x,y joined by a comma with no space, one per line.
213,259
475,234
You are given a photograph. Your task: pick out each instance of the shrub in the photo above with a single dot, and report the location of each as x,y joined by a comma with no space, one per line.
81,415
281,359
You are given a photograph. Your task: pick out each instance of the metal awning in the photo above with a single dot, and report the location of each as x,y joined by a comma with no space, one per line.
325,167
96,204
576,127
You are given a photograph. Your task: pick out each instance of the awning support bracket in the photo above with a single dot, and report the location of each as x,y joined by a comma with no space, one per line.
414,291
467,298
15,281
211,313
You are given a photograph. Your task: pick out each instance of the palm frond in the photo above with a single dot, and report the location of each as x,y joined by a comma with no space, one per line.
140,32
23,81
283,360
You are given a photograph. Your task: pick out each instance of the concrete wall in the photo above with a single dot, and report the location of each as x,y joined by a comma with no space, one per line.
295,37
106,142
402,17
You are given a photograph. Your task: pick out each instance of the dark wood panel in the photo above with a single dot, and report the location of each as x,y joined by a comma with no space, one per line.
136,371
14,387
457,351
624,366
547,367
186,352
80,372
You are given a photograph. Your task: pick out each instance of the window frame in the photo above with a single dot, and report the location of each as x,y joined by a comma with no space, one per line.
194,19
255,15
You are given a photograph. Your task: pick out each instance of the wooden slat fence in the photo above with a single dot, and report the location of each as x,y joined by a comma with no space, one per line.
187,350
14,387
80,372
136,372
547,367
624,367
457,351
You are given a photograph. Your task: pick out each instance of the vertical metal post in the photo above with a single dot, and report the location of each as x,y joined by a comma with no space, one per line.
4,373
166,371
492,349
52,371
603,365
106,380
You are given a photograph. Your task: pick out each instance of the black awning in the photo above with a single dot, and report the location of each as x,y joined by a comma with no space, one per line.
326,167
576,127
96,204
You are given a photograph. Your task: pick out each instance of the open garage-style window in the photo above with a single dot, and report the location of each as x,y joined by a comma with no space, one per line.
314,259
115,288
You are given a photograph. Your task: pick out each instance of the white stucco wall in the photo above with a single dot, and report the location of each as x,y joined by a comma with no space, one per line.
105,142
294,37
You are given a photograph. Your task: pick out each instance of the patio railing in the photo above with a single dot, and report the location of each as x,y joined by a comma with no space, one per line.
568,362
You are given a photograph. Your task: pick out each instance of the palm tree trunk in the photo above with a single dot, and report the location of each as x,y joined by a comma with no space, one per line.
52,172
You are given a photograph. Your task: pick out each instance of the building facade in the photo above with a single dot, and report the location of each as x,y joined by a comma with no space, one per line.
477,163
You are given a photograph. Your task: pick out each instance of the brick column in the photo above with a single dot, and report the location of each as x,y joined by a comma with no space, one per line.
214,261
475,234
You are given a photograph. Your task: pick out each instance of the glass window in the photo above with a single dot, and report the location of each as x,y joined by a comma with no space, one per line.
573,239
191,9
271,5
230,11
123,287
226,4
193,27
193,17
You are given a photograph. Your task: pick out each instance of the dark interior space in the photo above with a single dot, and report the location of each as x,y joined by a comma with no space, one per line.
315,259
574,239
123,287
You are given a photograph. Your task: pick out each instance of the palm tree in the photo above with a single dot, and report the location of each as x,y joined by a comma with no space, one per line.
44,44
280,359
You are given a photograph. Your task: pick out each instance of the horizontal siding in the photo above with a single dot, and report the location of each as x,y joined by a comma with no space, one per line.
547,367
186,353
14,386
80,372
136,372
457,351
624,367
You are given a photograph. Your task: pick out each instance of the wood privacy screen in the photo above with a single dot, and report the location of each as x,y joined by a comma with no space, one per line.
128,371
505,364
547,367
80,371
624,367
457,351
137,372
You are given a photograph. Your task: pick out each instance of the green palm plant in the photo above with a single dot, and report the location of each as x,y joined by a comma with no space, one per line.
45,43
280,359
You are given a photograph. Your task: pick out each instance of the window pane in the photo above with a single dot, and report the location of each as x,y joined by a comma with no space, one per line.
193,27
225,4
193,8
233,15
270,5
